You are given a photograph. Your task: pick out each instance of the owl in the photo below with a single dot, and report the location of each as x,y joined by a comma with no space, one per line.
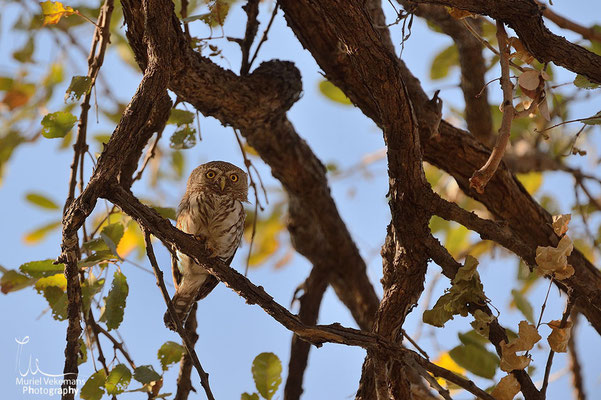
212,209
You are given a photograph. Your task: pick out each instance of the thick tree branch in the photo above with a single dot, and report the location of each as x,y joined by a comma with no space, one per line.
525,18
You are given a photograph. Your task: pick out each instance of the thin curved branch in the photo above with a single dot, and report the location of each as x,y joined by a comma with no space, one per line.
188,343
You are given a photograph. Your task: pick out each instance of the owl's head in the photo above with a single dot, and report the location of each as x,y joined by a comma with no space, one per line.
221,178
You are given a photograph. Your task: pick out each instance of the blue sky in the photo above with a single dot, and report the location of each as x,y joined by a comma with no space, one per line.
232,332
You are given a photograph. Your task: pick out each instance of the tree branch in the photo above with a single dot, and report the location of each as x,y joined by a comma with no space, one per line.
481,177
313,290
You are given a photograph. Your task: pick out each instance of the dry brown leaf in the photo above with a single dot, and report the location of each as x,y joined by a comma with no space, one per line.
554,260
543,108
507,388
560,223
527,337
530,79
459,14
558,339
520,51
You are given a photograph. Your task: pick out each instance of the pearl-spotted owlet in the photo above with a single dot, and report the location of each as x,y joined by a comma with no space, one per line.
212,209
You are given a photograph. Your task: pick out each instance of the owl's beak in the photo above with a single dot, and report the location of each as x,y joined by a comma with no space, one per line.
222,182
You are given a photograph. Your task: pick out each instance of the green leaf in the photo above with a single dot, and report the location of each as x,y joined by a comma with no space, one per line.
523,305
79,86
166,212
183,138
56,296
594,120
112,234
23,55
466,288
58,124
115,302
177,162
82,354
12,281
38,269
476,359
267,373
180,117
97,258
457,240
443,62
583,83
146,374
41,201
170,353
118,380
93,389
246,396
94,245
218,11
472,338
329,90
39,233
89,289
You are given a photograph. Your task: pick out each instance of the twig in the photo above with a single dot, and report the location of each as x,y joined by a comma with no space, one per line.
92,323
248,164
574,364
562,324
264,37
481,177
487,44
568,122
184,384
252,25
204,377
116,344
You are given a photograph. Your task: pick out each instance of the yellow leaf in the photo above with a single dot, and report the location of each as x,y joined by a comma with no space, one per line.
132,238
560,223
444,360
531,181
554,261
53,11
527,337
57,280
558,339
507,388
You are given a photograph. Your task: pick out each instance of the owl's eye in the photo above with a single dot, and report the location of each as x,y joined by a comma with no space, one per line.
210,174
234,177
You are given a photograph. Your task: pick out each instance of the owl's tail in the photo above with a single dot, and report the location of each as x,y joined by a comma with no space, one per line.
182,303
185,297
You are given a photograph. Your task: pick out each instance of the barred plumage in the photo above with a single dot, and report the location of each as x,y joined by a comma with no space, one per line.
211,208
